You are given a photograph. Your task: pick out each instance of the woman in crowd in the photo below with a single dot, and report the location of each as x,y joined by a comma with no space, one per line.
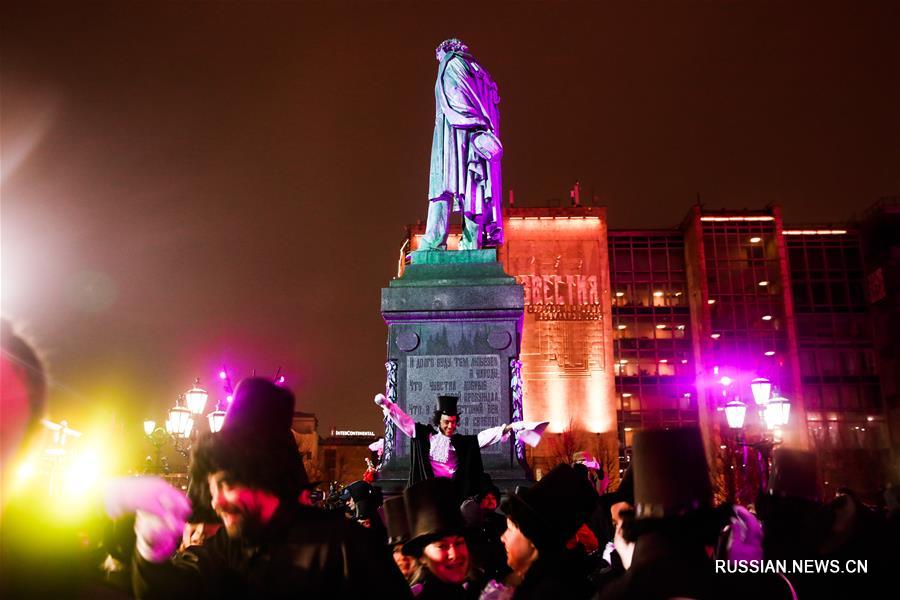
437,542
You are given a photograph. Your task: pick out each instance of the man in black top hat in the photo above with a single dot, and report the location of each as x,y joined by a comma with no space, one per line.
363,500
541,520
437,450
270,544
397,526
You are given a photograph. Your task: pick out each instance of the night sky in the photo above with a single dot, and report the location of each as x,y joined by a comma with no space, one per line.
188,183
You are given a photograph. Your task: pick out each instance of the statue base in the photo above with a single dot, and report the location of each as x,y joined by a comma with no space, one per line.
454,323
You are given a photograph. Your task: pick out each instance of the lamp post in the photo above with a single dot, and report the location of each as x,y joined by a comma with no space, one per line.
159,437
772,413
182,424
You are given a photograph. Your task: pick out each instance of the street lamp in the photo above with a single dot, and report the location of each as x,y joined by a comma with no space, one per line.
216,418
149,426
735,412
196,398
761,388
179,417
777,412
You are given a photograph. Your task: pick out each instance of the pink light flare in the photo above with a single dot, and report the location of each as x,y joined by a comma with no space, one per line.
281,379
223,375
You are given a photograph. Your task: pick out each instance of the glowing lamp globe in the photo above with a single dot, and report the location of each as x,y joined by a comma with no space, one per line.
216,420
761,388
180,419
735,411
777,412
196,398
149,426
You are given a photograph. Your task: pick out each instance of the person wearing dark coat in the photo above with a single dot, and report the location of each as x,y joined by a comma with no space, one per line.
541,520
270,546
398,534
436,540
484,527
672,521
437,450
363,499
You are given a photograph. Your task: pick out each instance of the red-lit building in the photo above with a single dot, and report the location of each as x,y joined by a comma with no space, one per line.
631,329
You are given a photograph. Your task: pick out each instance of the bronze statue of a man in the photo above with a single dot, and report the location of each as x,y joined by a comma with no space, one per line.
465,152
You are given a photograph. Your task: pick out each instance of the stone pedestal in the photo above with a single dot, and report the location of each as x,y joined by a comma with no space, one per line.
454,324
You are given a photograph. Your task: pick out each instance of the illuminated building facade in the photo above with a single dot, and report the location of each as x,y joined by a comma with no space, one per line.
654,359
631,329
838,364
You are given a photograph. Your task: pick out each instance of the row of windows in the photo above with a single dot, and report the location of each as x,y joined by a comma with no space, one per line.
650,329
806,257
843,397
649,294
815,327
635,259
834,435
843,293
837,361
653,367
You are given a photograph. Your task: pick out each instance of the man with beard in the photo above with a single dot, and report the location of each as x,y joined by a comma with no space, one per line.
270,545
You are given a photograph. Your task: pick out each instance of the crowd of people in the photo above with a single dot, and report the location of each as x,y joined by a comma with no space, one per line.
250,526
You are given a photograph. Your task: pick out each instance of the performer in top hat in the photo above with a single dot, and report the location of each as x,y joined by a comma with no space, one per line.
437,450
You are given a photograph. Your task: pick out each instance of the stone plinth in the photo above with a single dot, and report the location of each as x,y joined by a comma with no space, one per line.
454,322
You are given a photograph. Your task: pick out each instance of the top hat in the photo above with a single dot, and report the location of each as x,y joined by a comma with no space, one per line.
432,511
447,405
358,490
551,511
395,520
671,478
795,474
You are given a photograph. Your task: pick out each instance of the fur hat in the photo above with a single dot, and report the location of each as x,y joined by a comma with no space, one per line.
432,511
551,511
255,444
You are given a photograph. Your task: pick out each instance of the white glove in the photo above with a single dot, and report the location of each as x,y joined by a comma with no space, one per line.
745,542
161,512
157,537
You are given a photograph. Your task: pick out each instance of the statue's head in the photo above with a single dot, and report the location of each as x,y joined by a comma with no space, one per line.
451,45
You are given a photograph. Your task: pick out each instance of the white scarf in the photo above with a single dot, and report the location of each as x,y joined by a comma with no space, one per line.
440,448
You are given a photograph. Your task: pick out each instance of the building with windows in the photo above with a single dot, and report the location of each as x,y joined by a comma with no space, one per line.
631,329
